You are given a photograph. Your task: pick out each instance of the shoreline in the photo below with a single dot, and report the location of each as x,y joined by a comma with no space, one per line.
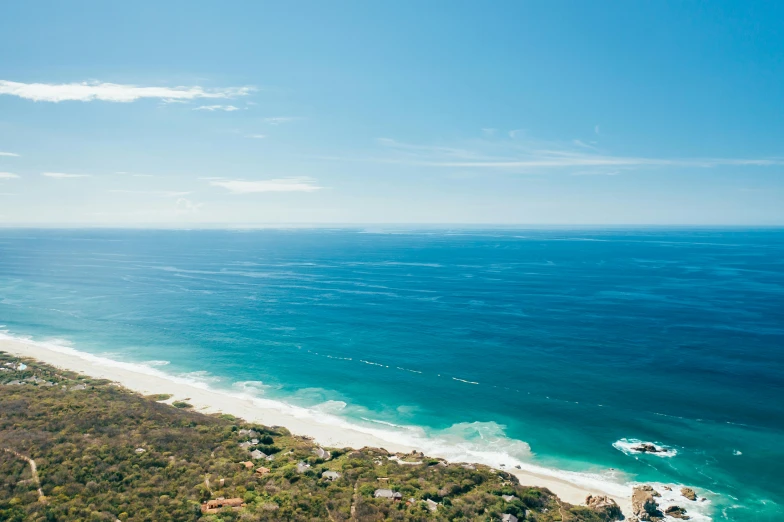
298,420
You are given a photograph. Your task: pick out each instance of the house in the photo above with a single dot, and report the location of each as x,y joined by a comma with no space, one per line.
262,471
508,498
508,518
302,467
330,475
214,506
247,464
388,493
256,455
322,453
250,433
139,450
431,504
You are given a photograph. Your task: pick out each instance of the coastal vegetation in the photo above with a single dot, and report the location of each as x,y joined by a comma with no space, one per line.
75,448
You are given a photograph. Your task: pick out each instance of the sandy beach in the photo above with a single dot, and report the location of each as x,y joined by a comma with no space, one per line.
299,421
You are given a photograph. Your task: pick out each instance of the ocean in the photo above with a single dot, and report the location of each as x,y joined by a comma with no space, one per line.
552,349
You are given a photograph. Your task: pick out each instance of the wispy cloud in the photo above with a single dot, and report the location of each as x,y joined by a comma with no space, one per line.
581,143
154,193
63,175
112,92
279,120
8,175
539,156
9,154
419,152
256,136
134,175
600,172
240,186
213,108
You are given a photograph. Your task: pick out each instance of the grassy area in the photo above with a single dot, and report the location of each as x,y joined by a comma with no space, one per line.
104,453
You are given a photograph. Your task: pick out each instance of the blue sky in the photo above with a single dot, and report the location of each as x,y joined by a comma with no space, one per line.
196,113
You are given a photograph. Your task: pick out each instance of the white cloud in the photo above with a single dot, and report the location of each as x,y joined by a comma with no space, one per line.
186,206
62,175
11,154
489,131
213,108
596,129
239,186
8,175
112,92
256,136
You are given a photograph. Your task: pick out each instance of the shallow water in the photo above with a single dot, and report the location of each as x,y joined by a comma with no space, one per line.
523,346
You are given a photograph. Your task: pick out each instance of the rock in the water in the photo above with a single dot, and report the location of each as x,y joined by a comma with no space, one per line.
605,507
643,504
676,512
646,447
689,493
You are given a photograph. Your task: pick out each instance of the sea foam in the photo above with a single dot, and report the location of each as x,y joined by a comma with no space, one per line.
629,447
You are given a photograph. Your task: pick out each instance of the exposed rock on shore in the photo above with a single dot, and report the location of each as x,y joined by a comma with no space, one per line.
689,493
605,507
644,507
676,512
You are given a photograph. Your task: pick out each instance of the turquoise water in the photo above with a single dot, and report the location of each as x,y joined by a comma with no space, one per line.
546,347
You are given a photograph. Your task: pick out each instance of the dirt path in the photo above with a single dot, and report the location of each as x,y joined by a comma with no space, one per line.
354,501
33,471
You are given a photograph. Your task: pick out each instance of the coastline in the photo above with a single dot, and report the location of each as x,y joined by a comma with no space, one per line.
299,421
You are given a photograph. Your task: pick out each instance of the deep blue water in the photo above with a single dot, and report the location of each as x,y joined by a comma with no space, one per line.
566,339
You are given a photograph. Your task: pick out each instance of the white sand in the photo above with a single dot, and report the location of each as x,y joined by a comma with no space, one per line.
299,421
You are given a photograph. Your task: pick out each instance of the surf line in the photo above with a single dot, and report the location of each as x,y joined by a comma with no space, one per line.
465,381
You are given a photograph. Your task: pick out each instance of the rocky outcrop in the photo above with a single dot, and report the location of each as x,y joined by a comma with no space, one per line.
647,447
605,507
689,493
676,512
644,507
